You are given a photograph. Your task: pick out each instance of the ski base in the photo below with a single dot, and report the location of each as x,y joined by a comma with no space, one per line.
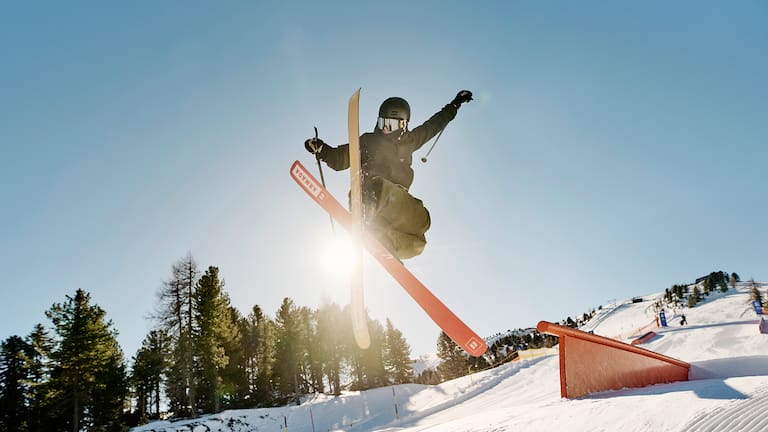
357,294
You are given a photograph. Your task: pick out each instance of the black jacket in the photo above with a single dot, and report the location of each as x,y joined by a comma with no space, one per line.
390,155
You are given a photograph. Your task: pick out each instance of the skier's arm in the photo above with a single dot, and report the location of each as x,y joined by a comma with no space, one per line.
423,133
438,122
335,157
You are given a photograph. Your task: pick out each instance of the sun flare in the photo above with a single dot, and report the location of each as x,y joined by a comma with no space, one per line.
338,256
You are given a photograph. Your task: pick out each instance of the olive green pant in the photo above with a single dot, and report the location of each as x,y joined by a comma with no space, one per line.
395,218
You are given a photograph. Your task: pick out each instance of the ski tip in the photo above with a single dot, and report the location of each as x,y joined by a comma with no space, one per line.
475,347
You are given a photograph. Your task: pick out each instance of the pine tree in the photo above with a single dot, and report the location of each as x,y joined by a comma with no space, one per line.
366,365
177,376
314,359
13,376
714,280
234,378
330,334
722,281
678,292
755,291
37,362
175,314
734,279
108,398
188,273
353,355
88,370
213,328
454,361
259,356
149,368
397,354
693,299
373,358
289,351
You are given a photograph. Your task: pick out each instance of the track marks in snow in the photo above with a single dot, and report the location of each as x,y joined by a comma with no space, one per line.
739,415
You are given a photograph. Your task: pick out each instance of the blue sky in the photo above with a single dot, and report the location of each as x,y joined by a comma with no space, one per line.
613,149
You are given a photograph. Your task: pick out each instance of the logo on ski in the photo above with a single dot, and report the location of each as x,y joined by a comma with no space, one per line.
307,182
475,345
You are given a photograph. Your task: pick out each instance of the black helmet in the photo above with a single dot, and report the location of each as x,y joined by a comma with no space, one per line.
395,107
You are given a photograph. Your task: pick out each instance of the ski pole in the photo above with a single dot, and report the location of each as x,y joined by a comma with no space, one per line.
322,180
424,159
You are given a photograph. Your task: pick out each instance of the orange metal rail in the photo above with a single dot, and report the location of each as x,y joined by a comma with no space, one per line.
590,363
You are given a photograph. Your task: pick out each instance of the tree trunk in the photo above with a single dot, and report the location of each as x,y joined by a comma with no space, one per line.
296,388
190,358
216,401
75,410
157,398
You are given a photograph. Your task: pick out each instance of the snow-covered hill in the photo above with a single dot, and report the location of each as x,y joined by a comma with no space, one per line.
728,390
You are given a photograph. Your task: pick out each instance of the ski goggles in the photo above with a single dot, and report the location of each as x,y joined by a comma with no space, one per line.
391,124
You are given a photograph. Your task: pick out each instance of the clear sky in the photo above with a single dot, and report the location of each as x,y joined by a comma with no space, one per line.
613,149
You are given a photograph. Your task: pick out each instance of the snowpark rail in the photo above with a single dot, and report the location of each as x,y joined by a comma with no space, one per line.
590,363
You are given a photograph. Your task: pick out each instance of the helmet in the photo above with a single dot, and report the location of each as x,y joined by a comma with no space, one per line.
395,107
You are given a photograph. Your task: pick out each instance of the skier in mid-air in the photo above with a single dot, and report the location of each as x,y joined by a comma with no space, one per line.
396,218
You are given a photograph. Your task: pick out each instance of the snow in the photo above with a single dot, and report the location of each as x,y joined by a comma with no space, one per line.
728,390
424,362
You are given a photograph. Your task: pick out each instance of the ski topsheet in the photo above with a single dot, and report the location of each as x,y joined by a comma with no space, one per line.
359,317
467,339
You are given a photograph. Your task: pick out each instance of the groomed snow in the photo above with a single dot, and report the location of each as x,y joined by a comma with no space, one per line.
728,390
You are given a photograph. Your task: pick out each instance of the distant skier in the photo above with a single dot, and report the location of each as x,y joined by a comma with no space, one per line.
397,219
683,321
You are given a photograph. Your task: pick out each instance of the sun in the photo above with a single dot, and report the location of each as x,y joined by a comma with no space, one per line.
338,256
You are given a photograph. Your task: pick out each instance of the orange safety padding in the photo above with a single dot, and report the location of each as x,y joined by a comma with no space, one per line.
591,363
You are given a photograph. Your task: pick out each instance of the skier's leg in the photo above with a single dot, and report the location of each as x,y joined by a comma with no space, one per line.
405,245
401,211
395,218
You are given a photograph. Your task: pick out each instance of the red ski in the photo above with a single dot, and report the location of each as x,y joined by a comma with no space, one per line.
454,327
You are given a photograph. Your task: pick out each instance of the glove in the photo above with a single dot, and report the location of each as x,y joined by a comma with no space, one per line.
314,145
463,96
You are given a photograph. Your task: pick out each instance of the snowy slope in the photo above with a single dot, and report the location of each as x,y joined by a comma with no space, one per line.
728,390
